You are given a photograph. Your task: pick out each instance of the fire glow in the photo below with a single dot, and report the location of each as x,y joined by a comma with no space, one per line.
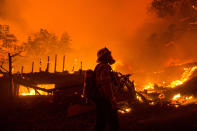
182,100
185,76
118,63
124,110
26,91
149,86
177,99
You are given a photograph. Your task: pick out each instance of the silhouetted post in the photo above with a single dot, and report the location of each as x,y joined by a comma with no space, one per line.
81,65
81,68
32,68
40,65
48,64
10,64
55,63
22,70
11,84
73,69
63,62
16,89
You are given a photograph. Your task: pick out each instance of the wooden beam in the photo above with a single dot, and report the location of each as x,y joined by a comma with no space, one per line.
40,69
55,63
63,63
22,69
32,68
10,64
47,69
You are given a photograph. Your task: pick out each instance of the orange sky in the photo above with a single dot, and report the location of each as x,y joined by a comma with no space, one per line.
92,24
124,26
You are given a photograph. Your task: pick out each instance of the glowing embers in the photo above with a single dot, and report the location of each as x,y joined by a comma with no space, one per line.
176,97
175,83
178,100
124,110
139,98
26,91
123,107
149,86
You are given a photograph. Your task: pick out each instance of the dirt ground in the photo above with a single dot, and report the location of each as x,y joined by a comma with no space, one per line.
47,115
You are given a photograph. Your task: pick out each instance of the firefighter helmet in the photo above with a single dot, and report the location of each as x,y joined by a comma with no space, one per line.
104,55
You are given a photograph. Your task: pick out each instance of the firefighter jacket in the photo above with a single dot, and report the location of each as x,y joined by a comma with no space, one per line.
104,81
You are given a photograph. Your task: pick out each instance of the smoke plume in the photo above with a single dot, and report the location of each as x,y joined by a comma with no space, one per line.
168,37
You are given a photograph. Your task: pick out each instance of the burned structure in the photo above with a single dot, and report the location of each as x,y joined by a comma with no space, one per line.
44,82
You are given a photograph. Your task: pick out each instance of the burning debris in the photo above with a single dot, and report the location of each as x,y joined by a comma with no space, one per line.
124,108
24,91
178,92
185,76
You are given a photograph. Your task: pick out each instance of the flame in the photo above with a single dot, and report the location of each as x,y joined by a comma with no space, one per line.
45,86
149,86
178,100
175,83
176,96
152,103
185,76
123,107
124,110
25,91
139,98
189,98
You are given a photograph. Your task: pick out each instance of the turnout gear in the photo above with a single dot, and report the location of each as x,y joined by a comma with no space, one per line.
106,113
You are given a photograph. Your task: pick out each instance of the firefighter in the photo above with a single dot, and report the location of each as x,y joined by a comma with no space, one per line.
106,112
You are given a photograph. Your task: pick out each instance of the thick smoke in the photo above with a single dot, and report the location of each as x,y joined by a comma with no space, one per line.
176,8
2,8
10,12
45,43
40,45
168,37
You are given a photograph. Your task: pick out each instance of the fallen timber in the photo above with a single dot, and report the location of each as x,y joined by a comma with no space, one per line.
186,90
123,81
144,118
27,84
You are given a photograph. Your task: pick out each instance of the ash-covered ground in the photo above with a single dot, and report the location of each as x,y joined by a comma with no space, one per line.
36,113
